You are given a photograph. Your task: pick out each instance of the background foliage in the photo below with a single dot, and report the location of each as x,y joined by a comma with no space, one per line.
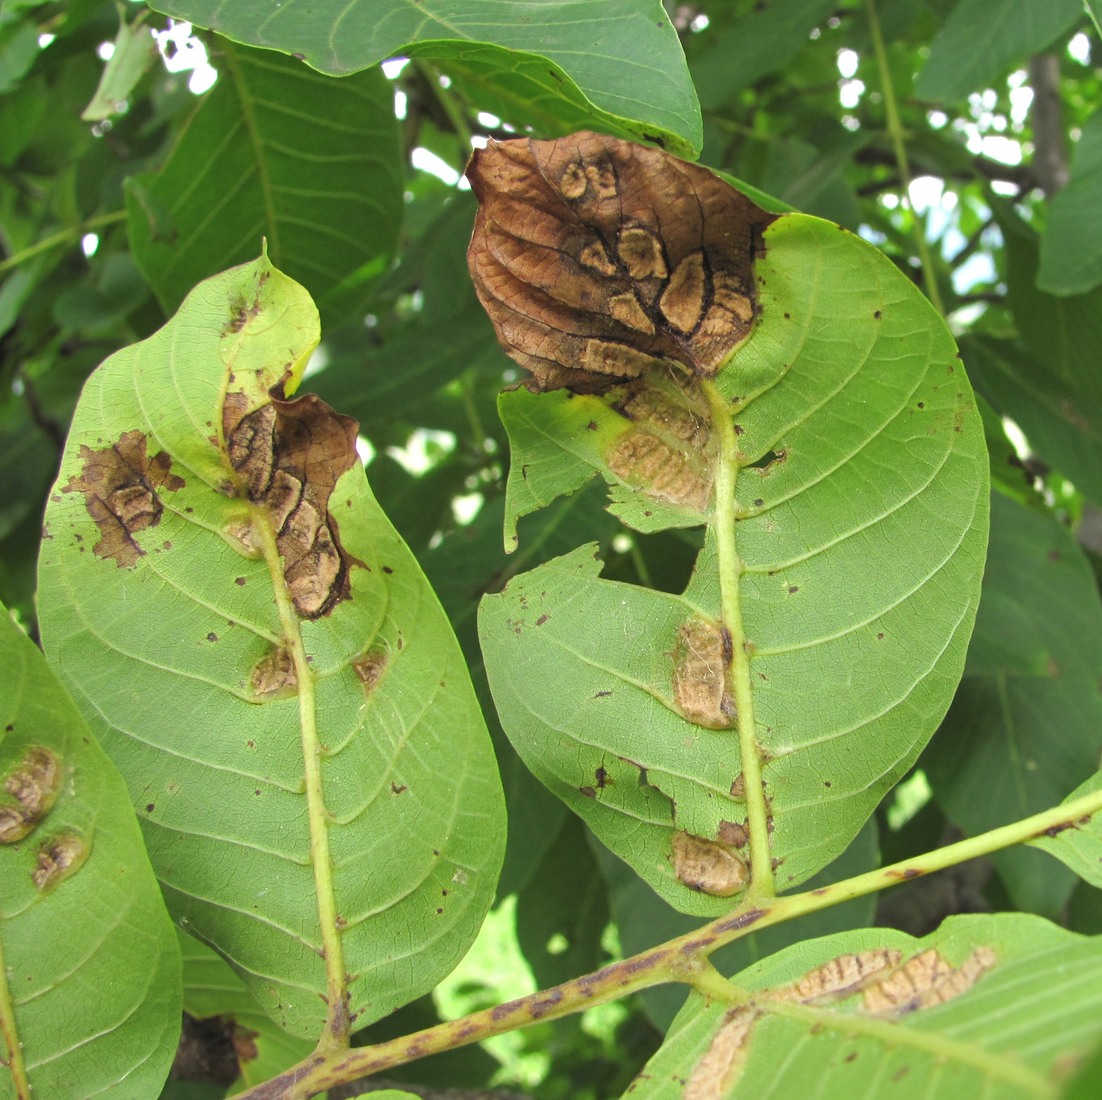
117,198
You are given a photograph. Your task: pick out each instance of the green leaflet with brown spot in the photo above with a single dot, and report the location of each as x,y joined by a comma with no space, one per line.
824,628
262,657
84,936
1002,1005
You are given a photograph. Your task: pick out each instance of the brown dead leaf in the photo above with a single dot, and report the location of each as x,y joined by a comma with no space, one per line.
120,484
290,454
598,259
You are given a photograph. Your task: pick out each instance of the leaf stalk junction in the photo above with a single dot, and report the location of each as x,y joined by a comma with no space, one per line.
683,959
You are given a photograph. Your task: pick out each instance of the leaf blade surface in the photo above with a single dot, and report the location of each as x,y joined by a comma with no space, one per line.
84,936
283,713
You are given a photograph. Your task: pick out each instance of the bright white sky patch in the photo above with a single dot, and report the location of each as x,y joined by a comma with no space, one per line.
1079,48
181,51
423,450
426,161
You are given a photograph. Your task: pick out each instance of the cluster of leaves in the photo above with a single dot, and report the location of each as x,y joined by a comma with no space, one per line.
124,191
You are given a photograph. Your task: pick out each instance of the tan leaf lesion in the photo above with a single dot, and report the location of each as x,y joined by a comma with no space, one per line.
722,1062
122,486
707,866
274,676
668,453
370,668
289,455
665,473
926,980
890,987
702,687
58,858
33,785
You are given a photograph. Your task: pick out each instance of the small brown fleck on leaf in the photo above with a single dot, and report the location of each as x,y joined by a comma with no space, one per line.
700,681
707,866
59,858
121,486
290,454
738,786
274,676
34,783
599,260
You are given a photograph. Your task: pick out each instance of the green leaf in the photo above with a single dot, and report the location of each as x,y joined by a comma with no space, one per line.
271,146
1063,333
386,371
1014,1005
562,910
858,517
1084,1085
1079,844
755,46
134,51
611,65
281,691
1061,423
212,989
1071,248
1026,724
983,38
89,968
